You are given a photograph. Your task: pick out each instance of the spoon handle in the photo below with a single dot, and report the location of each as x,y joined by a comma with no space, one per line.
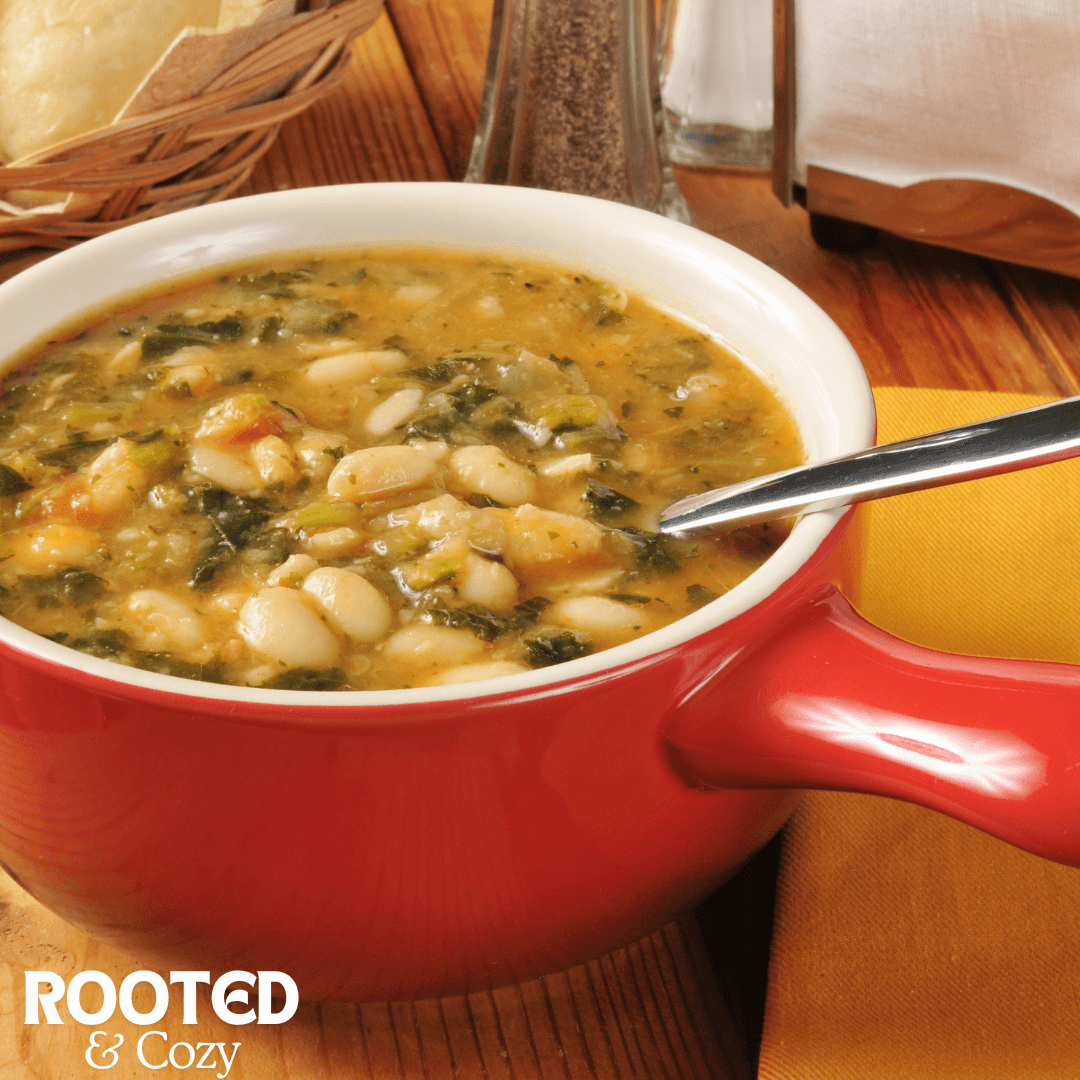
1016,440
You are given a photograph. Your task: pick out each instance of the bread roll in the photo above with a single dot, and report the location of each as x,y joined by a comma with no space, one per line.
68,66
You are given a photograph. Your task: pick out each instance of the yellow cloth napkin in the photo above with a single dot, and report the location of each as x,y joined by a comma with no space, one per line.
907,945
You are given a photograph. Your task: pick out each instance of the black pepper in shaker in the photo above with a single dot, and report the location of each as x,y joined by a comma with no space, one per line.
571,102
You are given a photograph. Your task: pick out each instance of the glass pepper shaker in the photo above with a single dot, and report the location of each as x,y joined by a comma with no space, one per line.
571,102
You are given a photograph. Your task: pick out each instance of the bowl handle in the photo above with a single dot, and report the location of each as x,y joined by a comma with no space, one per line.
827,700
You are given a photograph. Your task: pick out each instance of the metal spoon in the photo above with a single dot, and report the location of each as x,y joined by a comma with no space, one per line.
1006,443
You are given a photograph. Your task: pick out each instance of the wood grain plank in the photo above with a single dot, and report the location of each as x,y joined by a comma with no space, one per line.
301,1047
391,1054
595,1002
599,1048
470,1030
706,1015
601,1045
643,1042
917,315
656,1008
516,1033
373,127
1046,306
670,1006
446,47
342,1035
438,1059
543,1033
562,1012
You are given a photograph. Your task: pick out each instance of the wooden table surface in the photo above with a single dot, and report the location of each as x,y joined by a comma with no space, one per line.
661,1008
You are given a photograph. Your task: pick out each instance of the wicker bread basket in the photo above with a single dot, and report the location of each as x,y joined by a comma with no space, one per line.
194,150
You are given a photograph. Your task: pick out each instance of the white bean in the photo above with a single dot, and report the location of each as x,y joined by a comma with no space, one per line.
432,645
275,461
354,367
486,470
435,447
162,623
292,571
392,412
49,547
447,517
243,417
350,603
597,615
487,531
418,294
225,469
616,299
126,360
229,603
490,669
277,623
117,481
541,541
315,452
437,518
189,354
193,379
488,584
490,306
567,466
312,350
333,543
379,472
597,581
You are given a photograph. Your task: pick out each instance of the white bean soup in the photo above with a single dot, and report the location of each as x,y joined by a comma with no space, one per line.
385,470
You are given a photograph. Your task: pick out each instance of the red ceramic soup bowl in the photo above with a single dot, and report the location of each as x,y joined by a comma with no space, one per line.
418,842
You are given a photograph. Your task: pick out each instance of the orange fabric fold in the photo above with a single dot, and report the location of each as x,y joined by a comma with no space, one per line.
907,945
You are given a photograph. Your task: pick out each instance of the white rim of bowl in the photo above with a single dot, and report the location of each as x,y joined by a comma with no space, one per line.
230,233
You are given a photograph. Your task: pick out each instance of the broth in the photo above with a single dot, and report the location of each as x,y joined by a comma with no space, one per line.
384,470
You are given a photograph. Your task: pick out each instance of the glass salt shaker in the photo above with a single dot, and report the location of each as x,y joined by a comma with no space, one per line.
571,102
717,81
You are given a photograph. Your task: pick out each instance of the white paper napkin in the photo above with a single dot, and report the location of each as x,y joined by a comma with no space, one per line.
900,91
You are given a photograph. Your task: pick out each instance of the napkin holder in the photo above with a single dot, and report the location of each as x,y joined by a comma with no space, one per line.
934,122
